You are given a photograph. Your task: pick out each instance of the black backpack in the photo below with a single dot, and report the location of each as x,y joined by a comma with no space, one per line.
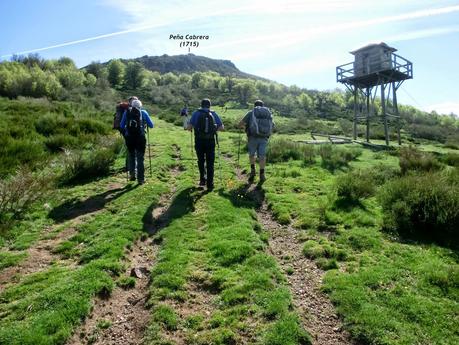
134,122
207,127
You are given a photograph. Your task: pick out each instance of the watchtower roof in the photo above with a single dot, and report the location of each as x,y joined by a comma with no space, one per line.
373,45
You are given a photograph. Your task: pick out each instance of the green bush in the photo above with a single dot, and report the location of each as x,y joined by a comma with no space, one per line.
425,205
17,152
19,192
450,158
283,150
334,157
355,185
82,166
59,142
413,159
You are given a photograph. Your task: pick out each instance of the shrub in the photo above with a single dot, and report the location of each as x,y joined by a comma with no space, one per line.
283,150
451,158
355,185
413,159
423,206
82,166
59,142
20,191
334,157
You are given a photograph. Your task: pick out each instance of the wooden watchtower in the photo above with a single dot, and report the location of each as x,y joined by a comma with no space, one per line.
375,66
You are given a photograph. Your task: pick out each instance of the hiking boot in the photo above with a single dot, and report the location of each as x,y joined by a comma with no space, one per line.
132,178
252,176
262,178
141,182
210,188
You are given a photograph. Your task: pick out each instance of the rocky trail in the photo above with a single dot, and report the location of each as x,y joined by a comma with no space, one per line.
123,316
304,278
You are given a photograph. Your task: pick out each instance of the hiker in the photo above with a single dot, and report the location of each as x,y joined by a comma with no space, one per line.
133,122
184,115
258,124
205,123
119,111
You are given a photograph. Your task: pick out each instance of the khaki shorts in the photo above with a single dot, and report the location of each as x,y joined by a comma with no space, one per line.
257,145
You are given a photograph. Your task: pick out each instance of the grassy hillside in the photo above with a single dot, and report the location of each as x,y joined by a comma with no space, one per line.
342,244
214,279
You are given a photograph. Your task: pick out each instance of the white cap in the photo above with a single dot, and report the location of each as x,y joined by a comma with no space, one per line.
136,104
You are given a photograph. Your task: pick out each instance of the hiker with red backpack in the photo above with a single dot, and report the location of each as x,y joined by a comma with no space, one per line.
206,123
258,124
135,121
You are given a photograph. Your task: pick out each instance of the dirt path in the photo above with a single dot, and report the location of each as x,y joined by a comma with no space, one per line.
123,317
41,255
304,277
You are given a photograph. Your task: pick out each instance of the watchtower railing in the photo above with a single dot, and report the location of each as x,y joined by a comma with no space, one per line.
399,64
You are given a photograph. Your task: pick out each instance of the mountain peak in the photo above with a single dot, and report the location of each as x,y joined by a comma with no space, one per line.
190,63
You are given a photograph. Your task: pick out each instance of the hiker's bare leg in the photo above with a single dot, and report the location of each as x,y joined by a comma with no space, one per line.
262,162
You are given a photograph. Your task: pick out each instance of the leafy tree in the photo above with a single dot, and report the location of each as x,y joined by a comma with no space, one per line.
116,70
97,69
245,90
134,75
197,80
305,101
184,79
169,79
70,78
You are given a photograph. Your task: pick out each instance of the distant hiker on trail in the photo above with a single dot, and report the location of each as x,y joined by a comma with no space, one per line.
134,122
121,107
258,124
206,123
184,115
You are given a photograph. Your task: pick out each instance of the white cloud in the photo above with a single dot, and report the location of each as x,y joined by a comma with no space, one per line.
318,63
413,35
286,39
143,15
444,108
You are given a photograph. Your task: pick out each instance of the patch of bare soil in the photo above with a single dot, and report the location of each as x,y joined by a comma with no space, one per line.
200,301
123,317
304,277
40,255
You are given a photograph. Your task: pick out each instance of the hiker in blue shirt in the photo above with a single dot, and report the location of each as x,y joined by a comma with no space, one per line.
205,123
184,115
133,122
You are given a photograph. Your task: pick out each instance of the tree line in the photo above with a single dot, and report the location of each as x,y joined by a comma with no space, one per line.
60,79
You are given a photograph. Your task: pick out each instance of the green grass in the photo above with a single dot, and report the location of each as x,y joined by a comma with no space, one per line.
203,247
387,292
45,307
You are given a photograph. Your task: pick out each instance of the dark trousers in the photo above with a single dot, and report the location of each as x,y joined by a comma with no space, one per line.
205,151
136,152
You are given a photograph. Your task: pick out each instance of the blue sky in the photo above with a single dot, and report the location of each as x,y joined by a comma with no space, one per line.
291,41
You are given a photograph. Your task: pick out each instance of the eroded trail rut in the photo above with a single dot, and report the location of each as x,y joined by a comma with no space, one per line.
41,255
304,277
122,317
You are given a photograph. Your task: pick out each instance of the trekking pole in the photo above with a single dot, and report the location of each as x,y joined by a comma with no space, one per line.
126,162
239,148
191,144
219,160
149,152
